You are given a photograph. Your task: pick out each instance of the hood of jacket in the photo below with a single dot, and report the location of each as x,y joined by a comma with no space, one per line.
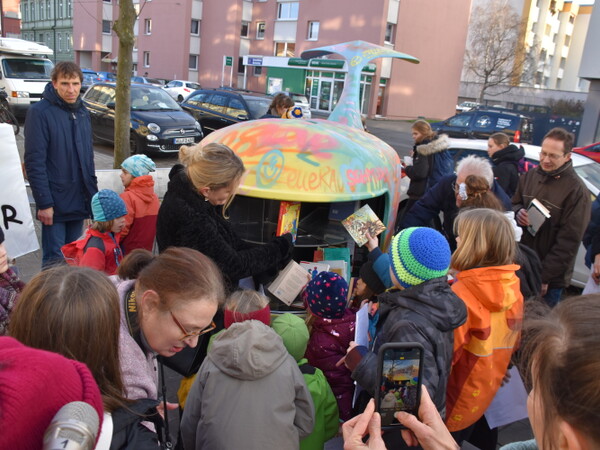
248,350
439,144
143,187
52,96
343,325
491,285
433,299
512,154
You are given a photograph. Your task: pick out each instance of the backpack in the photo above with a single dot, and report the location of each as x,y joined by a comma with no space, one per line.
442,165
73,251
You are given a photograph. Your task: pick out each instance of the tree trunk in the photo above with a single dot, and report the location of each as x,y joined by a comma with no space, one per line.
123,28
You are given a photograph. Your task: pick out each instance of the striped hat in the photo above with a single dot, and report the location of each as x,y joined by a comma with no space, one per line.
419,254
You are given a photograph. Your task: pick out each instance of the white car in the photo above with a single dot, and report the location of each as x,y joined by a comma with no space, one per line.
585,167
467,106
300,100
180,89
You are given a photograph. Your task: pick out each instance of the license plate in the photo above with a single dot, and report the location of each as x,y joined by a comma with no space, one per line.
186,140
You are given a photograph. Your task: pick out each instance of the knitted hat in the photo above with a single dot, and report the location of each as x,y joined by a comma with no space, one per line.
371,279
34,385
419,254
294,112
138,165
107,205
326,295
294,333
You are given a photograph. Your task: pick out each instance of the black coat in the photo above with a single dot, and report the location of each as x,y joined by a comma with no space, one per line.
128,431
185,219
506,167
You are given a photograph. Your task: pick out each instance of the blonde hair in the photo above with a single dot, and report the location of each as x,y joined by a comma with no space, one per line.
102,227
423,127
486,239
246,301
214,166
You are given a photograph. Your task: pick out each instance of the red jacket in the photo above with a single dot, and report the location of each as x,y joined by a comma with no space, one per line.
484,344
105,261
142,210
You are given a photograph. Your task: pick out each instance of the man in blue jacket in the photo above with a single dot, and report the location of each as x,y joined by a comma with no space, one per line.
59,160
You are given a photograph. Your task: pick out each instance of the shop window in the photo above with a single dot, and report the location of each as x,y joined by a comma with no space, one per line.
313,31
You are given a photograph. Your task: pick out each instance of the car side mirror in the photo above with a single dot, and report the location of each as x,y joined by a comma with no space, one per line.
110,105
242,116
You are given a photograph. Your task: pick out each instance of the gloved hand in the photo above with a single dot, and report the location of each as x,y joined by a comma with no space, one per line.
285,245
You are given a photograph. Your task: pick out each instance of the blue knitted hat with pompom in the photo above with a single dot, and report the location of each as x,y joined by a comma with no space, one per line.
419,254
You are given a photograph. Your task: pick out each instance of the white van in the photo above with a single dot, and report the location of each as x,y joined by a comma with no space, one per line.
24,72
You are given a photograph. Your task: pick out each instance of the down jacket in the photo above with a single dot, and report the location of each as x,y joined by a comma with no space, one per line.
249,393
59,156
185,219
558,239
506,167
422,165
427,313
142,209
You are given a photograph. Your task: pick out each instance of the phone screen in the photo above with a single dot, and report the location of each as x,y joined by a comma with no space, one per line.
399,381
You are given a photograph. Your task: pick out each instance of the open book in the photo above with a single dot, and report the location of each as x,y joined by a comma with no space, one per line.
362,222
537,214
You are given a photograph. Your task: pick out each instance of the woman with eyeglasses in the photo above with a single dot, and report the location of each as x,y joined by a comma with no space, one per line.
167,301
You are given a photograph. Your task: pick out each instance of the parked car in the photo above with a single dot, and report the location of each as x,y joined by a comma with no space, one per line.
107,76
218,108
158,124
180,89
482,123
89,77
146,80
586,168
302,101
466,106
591,151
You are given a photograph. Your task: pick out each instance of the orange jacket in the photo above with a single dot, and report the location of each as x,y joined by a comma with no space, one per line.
484,345
142,211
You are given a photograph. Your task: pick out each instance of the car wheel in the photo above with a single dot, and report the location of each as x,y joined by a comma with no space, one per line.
180,98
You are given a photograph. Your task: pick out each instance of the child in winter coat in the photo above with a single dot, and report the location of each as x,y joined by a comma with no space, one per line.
423,309
294,332
332,331
141,202
249,392
100,249
10,287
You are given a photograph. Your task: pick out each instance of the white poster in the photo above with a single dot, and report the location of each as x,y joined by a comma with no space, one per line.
15,213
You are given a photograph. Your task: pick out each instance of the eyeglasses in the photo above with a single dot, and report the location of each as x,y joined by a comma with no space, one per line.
551,156
187,334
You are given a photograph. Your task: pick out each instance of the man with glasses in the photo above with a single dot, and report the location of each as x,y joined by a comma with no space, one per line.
555,184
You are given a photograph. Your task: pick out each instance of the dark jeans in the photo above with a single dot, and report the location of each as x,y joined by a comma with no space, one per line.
552,296
54,237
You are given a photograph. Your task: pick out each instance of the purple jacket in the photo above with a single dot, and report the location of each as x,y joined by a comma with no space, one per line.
327,345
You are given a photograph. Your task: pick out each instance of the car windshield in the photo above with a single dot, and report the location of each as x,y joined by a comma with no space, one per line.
154,81
152,100
89,78
31,69
258,106
591,174
193,86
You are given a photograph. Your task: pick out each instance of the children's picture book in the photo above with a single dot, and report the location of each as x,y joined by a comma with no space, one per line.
314,268
289,215
537,214
362,222
290,281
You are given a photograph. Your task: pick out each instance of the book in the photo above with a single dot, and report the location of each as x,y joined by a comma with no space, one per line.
289,215
289,283
362,222
537,214
338,266
314,268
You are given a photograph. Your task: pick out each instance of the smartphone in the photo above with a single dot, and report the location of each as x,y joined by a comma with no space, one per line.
399,378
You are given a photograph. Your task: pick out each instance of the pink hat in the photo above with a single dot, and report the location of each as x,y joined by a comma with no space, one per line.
34,385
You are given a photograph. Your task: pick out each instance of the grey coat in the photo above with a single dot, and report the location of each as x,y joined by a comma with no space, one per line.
249,393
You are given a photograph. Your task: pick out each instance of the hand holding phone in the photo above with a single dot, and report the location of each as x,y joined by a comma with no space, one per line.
399,379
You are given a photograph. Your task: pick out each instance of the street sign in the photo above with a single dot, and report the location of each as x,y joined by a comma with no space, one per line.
253,61
229,60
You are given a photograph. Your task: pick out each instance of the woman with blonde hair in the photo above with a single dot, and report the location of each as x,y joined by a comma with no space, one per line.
193,215
488,285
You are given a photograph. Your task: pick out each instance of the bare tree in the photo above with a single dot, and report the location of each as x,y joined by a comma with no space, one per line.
496,56
123,28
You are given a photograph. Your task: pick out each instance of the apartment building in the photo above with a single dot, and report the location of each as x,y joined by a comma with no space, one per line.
49,22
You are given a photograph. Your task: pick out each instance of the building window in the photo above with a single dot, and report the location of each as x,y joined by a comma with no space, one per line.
69,42
257,71
245,30
287,11
571,19
260,30
106,26
148,26
32,9
195,27
146,59
390,30
313,31
285,49
567,40
42,11
193,62
106,1
69,8
59,42
60,8
548,30
48,9
25,12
